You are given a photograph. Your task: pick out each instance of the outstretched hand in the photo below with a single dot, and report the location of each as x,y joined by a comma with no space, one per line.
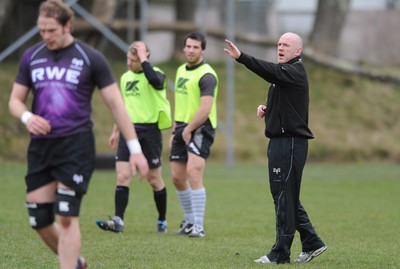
233,51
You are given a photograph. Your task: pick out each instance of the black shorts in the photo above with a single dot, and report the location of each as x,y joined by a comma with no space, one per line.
200,143
69,160
151,142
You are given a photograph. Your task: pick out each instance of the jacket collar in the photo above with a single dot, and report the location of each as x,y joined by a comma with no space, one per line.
295,60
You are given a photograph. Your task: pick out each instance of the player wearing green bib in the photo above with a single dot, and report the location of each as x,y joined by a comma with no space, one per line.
196,88
143,89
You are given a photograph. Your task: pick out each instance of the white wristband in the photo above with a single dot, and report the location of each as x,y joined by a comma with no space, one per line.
134,146
26,116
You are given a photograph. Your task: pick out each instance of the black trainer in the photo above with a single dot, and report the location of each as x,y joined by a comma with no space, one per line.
185,228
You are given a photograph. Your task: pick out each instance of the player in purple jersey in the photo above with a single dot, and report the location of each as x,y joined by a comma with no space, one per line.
62,74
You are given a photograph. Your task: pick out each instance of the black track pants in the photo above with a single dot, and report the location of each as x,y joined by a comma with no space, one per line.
286,159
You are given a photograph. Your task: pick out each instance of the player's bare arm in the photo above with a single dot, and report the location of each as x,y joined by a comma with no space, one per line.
199,118
112,96
35,124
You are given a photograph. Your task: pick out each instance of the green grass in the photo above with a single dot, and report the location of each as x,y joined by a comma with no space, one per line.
355,209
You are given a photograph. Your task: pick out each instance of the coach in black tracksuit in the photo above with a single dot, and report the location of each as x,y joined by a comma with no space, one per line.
286,124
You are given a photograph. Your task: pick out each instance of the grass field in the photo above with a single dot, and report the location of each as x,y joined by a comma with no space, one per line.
355,209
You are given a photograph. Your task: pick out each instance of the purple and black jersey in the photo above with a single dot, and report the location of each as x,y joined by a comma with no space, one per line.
62,82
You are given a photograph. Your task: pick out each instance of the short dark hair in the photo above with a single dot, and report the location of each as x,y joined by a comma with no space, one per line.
197,36
56,9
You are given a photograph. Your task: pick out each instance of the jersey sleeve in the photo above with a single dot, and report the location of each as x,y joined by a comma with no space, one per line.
207,84
154,77
102,73
23,76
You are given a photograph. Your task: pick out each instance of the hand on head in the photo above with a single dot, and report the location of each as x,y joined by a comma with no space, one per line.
141,51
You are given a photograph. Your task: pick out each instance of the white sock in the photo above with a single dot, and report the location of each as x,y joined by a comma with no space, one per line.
185,197
199,205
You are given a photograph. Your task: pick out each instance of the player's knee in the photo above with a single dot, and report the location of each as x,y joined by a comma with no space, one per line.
176,181
65,221
194,173
124,178
157,184
180,183
40,214
155,180
68,202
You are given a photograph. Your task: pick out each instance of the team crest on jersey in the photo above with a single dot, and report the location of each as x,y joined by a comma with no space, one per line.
76,64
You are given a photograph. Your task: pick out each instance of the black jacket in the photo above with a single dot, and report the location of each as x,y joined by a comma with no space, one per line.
288,97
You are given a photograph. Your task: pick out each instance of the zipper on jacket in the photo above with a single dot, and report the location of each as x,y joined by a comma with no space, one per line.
280,121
